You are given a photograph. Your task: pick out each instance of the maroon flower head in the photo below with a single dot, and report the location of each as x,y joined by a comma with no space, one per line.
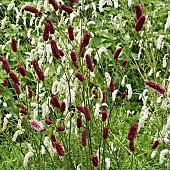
75,64
54,4
80,108
80,76
133,131
14,45
87,113
112,86
140,23
89,63
33,10
155,144
138,11
6,65
61,52
30,94
6,83
1,58
104,114
73,56
82,50
70,32
83,137
48,121
79,122
95,160
86,39
124,62
38,70
131,146
24,111
117,53
22,70
104,96
0,89
157,87
14,77
55,49
61,128
66,8
59,148
105,132
53,138
95,93
46,31
63,106
55,102
72,1
17,88
123,95
52,30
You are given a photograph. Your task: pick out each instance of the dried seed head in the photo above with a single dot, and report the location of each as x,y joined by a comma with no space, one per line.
14,45
140,23
66,8
138,11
